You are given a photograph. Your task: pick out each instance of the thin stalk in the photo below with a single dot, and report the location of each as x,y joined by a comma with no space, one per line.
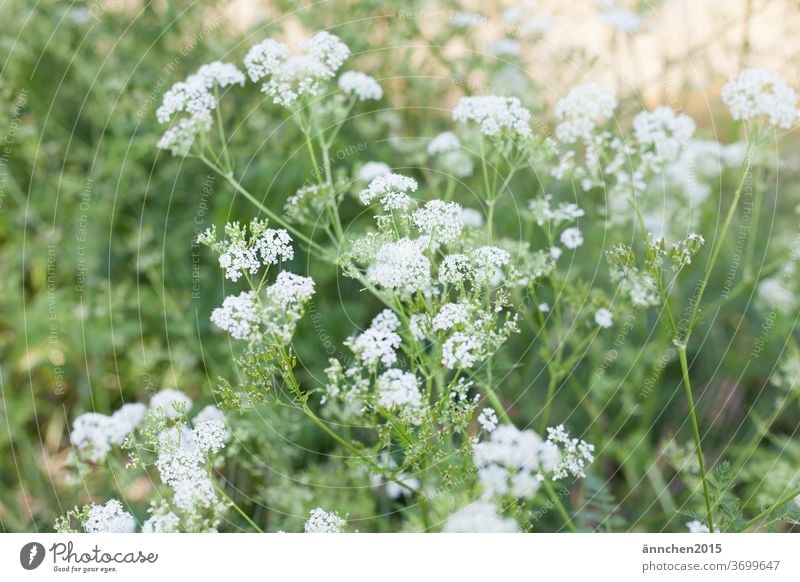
696,434
781,501
559,506
238,509
269,213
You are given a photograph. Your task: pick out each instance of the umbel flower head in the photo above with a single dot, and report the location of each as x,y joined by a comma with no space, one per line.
287,78
254,317
109,518
581,110
494,115
479,517
759,94
197,98
321,521
363,86
242,255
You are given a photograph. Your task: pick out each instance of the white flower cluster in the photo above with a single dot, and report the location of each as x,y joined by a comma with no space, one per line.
696,526
321,521
479,517
94,434
379,342
514,462
197,97
442,143
572,237
494,115
488,419
392,192
286,77
543,212
182,459
759,94
439,220
240,255
249,317
481,266
576,454
363,86
581,110
664,131
170,402
109,518
401,266
372,170
604,318
399,391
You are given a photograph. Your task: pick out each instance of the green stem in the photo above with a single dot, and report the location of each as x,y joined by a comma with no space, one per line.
269,213
559,506
781,501
238,509
696,433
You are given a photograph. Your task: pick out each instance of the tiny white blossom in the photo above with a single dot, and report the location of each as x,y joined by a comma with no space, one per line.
439,220
109,518
170,402
479,517
697,526
575,454
392,191
444,142
756,93
361,85
604,318
581,110
494,115
572,238
471,218
488,419
320,521
378,343
400,266
372,170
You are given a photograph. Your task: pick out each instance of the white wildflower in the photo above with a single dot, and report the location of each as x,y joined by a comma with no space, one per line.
378,343
210,436
487,419
572,238
665,131
697,526
170,402
461,350
444,142
392,191
494,115
756,93
320,521
439,220
479,517
372,170
399,390
471,218
361,85
604,318
109,518
401,266
451,315
575,454
581,110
